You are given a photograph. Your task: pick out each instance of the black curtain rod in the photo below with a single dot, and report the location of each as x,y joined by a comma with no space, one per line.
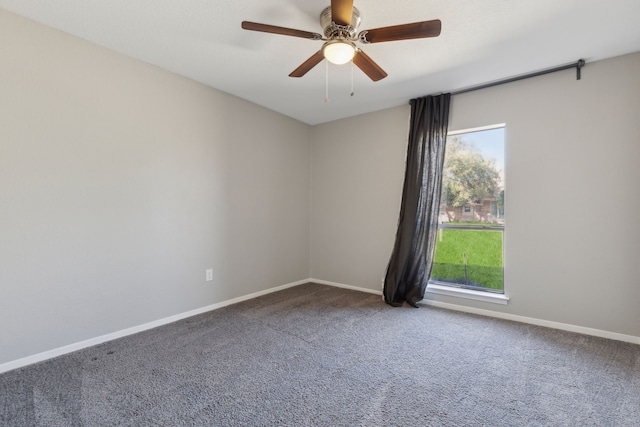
577,65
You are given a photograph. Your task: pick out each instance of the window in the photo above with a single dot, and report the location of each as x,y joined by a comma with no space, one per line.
469,250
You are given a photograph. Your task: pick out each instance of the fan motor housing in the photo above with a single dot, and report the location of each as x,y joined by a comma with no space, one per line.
333,31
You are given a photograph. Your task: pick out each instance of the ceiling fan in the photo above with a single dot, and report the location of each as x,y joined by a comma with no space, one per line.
340,22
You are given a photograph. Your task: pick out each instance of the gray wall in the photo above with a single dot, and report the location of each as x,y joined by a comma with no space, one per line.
121,183
572,242
357,175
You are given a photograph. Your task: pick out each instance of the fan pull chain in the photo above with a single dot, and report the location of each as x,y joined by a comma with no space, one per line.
326,81
352,78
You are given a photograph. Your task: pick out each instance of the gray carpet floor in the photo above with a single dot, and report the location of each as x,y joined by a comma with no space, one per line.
314,355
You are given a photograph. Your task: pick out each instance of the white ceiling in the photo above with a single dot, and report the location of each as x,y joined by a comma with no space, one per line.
481,41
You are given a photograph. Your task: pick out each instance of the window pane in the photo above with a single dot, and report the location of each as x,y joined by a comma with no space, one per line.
469,247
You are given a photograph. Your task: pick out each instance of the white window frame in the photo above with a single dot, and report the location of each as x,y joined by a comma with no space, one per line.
452,291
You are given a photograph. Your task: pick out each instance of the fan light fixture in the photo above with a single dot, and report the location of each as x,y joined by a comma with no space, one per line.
340,22
338,51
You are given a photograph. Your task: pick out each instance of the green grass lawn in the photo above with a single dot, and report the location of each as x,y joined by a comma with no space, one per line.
484,257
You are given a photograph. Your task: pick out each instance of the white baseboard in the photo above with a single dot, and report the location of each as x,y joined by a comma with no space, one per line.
19,363
342,285
533,321
489,313
50,354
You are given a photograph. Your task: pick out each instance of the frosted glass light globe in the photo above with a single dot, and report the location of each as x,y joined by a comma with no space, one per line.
338,52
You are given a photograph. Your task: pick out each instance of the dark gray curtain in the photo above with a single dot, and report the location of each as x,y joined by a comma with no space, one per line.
412,258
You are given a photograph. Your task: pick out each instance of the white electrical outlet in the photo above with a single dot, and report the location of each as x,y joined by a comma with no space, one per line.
209,274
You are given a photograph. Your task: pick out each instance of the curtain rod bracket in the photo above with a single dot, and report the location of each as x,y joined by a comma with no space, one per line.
579,66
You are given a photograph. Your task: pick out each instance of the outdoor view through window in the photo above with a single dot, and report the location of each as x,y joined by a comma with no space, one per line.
471,221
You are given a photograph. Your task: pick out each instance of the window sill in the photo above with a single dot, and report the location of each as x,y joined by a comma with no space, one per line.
467,293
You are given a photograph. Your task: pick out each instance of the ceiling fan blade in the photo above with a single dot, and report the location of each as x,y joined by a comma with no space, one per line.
341,11
254,26
370,68
416,30
307,65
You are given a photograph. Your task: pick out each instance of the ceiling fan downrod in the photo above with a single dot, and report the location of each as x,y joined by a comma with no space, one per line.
334,31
